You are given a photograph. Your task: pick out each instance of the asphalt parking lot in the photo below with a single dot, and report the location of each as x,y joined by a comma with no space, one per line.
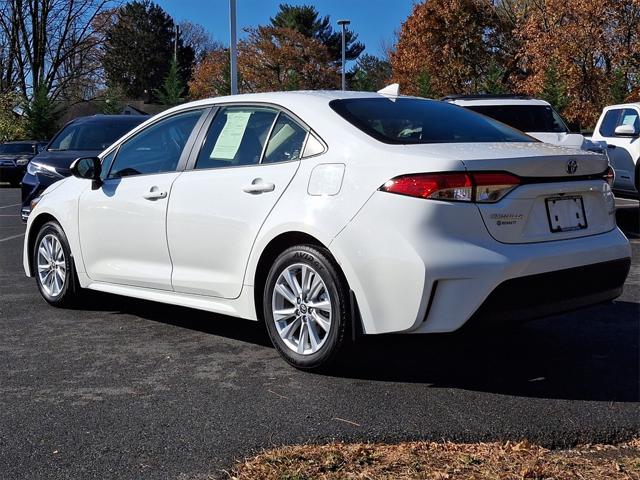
132,389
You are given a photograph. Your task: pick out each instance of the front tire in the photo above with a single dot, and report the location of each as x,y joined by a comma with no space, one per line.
54,268
306,307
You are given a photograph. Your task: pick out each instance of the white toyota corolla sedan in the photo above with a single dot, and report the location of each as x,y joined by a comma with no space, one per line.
326,213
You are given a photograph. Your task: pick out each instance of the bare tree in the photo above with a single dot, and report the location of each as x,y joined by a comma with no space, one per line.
198,38
54,45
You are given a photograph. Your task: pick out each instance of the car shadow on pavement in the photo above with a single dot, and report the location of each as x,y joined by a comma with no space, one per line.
592,354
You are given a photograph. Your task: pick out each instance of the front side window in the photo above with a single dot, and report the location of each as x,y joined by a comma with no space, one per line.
416,121
236,137
526,118
616,117
157,148
286,141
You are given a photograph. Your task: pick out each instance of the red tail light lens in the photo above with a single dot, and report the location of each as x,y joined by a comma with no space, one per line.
441,186
484,187
609,176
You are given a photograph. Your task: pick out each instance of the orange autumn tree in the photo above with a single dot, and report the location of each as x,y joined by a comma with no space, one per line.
580,55
269,59
277,58
448,41
211,77
574,39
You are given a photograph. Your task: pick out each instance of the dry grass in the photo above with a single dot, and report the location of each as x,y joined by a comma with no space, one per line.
439,461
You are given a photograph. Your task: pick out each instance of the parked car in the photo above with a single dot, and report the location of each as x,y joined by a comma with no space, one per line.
78,138
531,115
14,157
619,127
319,212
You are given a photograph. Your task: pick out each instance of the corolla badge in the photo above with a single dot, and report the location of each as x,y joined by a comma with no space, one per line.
572,166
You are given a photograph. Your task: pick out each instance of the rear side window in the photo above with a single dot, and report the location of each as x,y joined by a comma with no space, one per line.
286,141
237,136
526,118
157,148
417,121
616,117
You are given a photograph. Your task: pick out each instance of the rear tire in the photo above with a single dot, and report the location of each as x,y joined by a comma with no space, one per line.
306,307
54,268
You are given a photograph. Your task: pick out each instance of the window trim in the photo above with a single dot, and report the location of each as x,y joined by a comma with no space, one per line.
216,107
184,155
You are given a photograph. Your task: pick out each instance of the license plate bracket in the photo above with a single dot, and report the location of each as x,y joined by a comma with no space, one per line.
566,213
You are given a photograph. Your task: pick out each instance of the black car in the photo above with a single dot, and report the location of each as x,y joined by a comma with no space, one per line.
14,157
82,137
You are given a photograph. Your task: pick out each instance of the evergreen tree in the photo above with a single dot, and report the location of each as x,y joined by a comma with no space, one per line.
492,83
619,87
370,74
42,115
170,93
306,20
424,87
111,104
554,89
138,49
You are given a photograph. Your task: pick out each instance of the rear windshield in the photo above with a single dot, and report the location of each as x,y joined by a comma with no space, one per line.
18,148
528,118
92,135
413,120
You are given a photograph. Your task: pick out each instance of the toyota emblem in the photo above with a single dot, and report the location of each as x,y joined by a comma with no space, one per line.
572,166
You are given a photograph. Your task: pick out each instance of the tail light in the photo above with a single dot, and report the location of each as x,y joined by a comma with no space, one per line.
481,187
609,175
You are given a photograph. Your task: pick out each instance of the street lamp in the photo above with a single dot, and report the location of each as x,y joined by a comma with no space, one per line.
233,61
343,24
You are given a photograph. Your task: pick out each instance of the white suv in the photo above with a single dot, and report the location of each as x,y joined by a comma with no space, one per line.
619,127
535,117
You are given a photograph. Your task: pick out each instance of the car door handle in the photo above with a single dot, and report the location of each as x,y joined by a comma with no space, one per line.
155,194
258,186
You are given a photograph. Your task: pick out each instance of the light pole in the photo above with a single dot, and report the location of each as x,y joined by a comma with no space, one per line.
233,63
344,24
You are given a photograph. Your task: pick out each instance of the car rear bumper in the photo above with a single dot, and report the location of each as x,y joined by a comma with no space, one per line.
419,266
535,296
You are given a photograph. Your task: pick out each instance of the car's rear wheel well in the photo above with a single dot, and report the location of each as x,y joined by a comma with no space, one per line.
33,234
275,247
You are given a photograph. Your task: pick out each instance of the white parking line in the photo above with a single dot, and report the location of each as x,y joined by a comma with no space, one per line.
14,205
11,238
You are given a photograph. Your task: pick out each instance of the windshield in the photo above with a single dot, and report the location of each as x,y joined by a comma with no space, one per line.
93,135
413,120
17,148
527,118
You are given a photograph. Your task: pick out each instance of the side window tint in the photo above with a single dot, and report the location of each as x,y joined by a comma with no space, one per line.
286,141
157,148
609,123
236,137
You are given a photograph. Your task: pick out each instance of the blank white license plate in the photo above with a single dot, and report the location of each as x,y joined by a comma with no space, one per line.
566,213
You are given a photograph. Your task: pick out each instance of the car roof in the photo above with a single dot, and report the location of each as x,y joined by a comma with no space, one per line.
623,105
22,141
110,118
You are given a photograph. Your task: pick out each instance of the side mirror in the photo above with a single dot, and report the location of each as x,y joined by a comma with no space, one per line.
88,168
626,131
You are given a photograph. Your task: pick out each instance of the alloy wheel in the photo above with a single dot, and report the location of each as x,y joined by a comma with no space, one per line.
52,267
301,307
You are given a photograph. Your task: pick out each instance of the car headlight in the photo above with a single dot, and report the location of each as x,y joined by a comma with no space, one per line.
35,168
22,161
